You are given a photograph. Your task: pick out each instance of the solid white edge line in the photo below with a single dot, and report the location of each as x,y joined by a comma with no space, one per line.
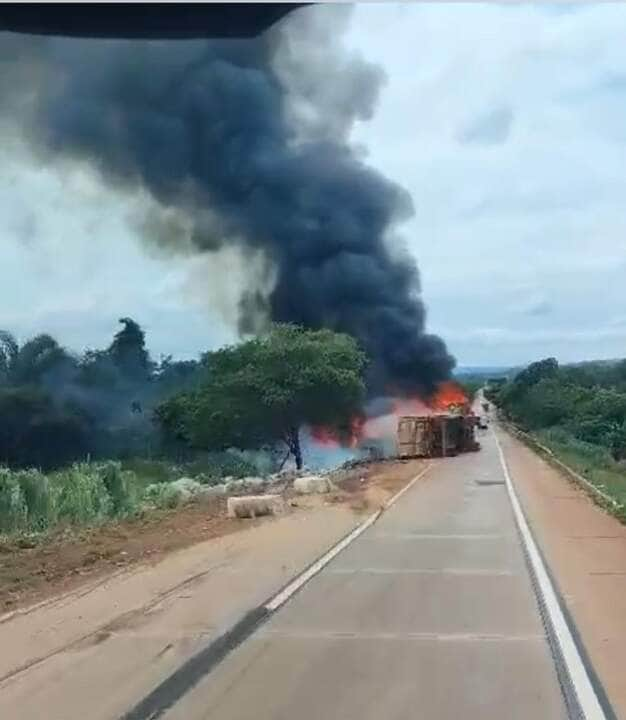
587,698
319,564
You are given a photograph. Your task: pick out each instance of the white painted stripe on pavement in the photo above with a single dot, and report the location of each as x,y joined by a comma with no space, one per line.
422,571
318,565
304,577
401,492
403,536
401,636
581,682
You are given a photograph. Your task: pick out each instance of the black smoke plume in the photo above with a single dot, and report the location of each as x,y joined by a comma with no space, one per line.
248,141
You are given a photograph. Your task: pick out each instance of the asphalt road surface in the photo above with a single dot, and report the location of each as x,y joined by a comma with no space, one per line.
430,613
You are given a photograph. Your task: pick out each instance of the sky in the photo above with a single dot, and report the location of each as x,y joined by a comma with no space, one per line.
507,124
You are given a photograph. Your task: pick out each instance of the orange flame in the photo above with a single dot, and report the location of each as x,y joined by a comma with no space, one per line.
447,396
328,437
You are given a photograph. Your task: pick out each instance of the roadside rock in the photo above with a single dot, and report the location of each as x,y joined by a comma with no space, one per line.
251,506
310,484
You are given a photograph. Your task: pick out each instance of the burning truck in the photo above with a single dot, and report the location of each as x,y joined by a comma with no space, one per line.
443,425
436,435
448,428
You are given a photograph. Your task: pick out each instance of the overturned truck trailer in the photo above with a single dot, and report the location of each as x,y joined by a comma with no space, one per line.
436,435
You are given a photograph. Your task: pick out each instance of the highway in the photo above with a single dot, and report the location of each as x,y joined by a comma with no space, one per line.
430,613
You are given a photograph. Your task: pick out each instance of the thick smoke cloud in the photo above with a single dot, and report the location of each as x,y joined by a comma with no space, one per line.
248,142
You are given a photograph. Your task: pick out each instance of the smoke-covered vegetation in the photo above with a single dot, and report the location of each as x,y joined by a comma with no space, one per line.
113,428
57,407
260,393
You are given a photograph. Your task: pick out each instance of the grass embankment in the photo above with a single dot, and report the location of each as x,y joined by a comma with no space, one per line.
594,463
590,461
87,494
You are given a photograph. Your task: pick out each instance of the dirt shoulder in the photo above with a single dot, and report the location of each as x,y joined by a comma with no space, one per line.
65,560
585,548
62,562
102,645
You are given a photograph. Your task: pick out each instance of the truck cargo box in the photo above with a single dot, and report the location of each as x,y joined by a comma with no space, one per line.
436,435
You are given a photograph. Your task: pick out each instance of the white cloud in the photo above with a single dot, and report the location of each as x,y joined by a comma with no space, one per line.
520,235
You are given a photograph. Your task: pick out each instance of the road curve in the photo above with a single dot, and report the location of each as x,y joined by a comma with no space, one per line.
429,613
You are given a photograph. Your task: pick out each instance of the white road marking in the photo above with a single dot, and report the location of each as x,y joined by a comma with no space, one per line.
436,536
587,698
304,577
421,571
401,492
304,634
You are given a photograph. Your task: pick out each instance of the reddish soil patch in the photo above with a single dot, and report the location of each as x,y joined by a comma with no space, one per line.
66,559
367,487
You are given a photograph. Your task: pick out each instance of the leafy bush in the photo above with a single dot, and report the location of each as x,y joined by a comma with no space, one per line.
163,495
83,497
13,510
86,494
122,487
40,498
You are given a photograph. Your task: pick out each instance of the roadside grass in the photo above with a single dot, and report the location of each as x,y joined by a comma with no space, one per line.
593,462
89,494
80,495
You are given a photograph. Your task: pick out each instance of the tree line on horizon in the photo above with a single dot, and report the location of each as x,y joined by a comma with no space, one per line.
586,402
57,406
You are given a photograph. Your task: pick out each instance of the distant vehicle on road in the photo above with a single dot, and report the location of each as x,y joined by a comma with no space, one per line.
483,422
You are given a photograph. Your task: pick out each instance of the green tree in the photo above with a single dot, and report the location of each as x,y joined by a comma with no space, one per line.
263,391
30,363
514,392
9,350
36,431
128,350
